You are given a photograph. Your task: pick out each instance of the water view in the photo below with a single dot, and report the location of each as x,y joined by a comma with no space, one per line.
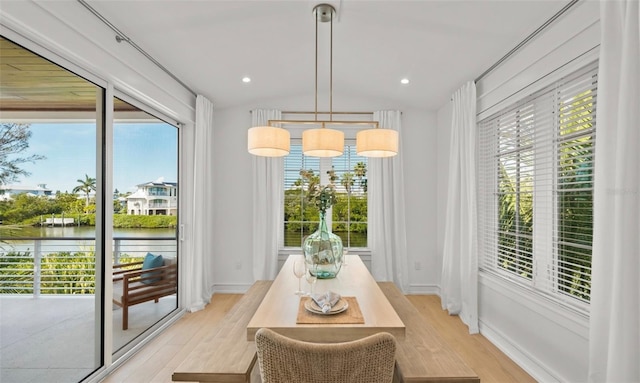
83,232
135,242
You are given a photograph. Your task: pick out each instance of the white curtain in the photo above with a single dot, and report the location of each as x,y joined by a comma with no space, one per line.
268,180
198,262
614,331
459,282
386,212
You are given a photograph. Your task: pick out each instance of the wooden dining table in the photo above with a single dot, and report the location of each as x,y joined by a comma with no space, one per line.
280,307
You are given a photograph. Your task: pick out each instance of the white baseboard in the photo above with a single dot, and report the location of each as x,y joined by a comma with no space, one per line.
528,363
424,289
231,288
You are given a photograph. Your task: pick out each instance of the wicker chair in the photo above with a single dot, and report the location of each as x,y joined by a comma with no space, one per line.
286,360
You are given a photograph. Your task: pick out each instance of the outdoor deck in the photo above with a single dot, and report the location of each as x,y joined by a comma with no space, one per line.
51,338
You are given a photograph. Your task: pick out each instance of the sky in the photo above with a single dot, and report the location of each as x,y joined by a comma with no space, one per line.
143,152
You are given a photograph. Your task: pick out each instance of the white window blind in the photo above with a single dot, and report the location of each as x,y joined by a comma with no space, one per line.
535,188
348,173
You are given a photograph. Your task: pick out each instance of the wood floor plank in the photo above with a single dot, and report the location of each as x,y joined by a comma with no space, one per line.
491,365
181,338
156,362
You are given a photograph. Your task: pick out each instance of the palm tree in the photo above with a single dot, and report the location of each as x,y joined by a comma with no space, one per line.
360,171
347,181
86,186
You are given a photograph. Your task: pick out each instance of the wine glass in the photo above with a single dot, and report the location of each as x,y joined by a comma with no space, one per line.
299,270
345,251
311,280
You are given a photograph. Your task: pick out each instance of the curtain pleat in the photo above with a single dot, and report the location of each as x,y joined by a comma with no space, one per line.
614,331
386,211
268,184
459,283
198,283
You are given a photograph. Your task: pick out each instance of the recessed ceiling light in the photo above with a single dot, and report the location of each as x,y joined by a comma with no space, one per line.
246,79
404,81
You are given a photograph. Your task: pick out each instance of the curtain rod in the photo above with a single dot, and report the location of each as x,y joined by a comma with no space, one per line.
303,112
323,122
120,37
526,40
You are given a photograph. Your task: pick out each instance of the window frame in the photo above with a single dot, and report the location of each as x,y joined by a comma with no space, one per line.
546,277
325,164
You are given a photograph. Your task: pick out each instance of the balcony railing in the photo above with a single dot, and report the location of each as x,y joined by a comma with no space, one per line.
159,205
66,265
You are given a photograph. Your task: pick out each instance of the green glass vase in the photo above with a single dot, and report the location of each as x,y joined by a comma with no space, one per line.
323,252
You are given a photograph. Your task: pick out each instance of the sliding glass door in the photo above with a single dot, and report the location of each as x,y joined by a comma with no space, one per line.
145,221
50,311
79,197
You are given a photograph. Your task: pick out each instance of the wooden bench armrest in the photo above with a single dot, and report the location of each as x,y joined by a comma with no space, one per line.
122,268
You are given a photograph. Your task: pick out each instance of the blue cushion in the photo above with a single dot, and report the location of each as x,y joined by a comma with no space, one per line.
151,261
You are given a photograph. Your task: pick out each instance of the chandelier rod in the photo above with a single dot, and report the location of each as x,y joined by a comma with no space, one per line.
316,90
331,70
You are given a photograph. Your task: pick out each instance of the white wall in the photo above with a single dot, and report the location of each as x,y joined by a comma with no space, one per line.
233,185
420,175
443,141
547,340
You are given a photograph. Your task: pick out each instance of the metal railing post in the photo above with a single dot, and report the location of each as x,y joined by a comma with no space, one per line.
37,267
116,251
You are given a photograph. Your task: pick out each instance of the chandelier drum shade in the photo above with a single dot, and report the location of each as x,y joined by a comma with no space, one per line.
377,143
268,141
322,141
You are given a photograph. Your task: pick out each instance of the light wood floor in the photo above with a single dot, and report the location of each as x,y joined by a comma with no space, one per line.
157,361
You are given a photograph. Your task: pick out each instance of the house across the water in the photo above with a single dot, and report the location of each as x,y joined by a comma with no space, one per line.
7,191
154,198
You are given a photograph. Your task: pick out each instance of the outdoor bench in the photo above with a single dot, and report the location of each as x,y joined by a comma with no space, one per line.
133,285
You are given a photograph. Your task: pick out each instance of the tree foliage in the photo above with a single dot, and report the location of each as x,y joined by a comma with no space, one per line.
14,139
304,199
575,195
573,198
24,209
86,185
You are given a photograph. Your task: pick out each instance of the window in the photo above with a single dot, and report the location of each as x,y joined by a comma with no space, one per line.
535,189
348,173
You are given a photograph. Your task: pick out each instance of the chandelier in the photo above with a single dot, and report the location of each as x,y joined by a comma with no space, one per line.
272,141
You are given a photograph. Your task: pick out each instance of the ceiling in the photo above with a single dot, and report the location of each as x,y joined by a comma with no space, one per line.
30,83
438,45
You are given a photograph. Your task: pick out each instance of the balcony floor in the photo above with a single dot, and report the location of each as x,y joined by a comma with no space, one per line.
52,338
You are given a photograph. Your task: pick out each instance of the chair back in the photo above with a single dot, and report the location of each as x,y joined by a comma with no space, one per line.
366,360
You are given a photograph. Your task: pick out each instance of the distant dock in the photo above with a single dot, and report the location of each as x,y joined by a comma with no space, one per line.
57,222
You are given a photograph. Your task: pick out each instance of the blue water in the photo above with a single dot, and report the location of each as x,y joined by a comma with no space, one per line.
79,231
80,239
